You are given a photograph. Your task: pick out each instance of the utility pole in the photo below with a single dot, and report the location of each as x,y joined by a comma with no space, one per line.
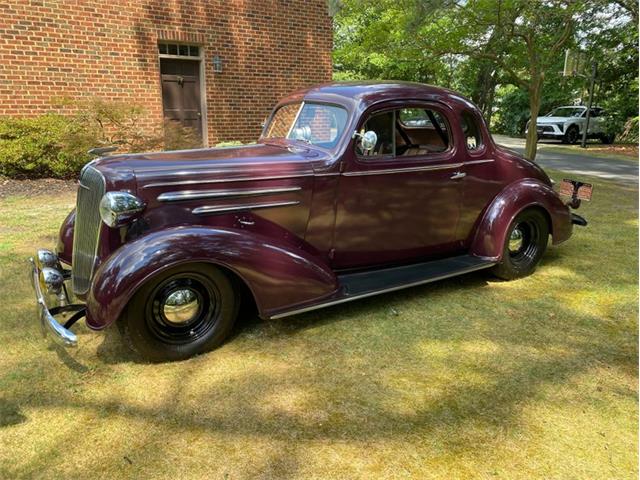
594,68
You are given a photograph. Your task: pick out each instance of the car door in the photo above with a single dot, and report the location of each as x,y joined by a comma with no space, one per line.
400,201
596,122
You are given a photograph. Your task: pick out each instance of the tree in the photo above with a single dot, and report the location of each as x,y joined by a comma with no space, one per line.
476,45
520,37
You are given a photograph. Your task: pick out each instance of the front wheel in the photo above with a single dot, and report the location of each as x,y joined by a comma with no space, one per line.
187,310
571,136
525,244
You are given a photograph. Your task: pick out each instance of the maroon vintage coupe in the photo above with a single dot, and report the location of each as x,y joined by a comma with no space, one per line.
352,190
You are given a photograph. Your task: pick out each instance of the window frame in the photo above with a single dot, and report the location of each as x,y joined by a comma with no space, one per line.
395,106
479,126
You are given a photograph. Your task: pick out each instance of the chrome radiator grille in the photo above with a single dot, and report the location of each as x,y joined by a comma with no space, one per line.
87,228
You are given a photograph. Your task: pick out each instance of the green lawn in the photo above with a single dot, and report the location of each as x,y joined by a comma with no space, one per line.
618,151
466,378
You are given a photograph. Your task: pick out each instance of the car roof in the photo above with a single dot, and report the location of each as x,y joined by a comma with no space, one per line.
578,106
365,93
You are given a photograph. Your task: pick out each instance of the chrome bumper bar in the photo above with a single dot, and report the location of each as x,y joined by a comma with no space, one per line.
61,335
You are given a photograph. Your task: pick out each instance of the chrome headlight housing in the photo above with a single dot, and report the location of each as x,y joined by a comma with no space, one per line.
119,208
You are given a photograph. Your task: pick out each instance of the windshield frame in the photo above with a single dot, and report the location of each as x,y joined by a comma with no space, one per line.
302,101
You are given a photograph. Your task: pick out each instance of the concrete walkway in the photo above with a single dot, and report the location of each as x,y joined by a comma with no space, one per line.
578,163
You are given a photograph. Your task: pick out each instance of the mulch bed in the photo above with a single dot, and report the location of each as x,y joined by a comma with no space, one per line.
628,150
31,188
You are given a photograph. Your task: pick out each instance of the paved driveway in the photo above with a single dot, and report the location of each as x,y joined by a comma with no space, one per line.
580,163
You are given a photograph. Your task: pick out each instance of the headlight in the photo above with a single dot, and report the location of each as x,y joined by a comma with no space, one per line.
119,208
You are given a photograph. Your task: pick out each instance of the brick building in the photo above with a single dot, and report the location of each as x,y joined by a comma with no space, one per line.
217,66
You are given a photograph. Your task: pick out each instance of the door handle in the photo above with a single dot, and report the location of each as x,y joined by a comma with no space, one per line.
458,175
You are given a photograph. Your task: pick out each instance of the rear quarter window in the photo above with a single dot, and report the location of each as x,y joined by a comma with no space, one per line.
471,131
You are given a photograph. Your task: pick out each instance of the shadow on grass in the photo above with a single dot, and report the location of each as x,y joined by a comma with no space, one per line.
349,392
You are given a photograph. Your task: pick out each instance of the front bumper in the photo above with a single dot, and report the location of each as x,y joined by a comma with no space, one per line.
548,131
50,326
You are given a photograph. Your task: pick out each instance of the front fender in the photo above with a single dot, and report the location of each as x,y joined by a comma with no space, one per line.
491,233
278,274
64,248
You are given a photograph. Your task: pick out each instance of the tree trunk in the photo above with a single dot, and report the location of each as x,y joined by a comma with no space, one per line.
492,93
531,145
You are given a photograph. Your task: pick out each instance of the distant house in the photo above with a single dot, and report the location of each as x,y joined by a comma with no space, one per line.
215,66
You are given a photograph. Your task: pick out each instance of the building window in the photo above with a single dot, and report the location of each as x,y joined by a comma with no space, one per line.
178,49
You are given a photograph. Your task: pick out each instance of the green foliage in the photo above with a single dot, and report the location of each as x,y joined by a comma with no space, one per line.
506,56
176,137
50,145
512,106
56,145
229,143
512,103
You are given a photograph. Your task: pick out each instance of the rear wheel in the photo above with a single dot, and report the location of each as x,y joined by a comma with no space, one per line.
187,310
525,244
607,138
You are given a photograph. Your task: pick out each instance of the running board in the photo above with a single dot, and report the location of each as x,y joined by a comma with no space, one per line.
366,284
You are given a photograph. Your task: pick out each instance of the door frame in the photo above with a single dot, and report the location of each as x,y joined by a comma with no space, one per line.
201,80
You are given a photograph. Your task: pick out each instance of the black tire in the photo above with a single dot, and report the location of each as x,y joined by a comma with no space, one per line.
607,138
571,135
520,258
185,311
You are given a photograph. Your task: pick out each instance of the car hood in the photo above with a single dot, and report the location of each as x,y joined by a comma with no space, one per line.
247,161
545,120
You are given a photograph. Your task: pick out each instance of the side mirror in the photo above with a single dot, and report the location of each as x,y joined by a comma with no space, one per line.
302,133
368,140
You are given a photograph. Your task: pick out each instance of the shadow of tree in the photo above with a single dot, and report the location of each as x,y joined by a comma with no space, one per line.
349,394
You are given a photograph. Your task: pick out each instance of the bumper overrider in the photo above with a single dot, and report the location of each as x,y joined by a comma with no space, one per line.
48,277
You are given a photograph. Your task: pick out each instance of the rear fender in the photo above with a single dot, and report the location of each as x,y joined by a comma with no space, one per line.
278,274
492,230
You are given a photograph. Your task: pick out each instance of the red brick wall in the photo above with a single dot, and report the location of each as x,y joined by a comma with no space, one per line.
108,49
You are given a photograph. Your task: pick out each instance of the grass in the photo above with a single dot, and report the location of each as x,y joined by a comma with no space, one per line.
618,151
466,378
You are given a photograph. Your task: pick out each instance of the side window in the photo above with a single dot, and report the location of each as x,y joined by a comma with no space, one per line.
421,131
407,132
471,132
382,124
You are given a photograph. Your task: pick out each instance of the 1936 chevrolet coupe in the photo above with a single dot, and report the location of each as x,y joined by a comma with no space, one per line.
352,190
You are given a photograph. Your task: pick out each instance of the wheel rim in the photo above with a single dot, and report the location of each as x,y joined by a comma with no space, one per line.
183,308
524,243
573,135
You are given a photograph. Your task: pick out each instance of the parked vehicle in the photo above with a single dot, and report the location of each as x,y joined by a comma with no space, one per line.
352,190
567,124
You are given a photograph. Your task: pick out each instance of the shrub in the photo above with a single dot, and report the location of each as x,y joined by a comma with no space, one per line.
178,137
630,131
49,145
56,145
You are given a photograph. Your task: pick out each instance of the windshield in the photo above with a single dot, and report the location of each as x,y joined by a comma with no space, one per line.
314,123
566,112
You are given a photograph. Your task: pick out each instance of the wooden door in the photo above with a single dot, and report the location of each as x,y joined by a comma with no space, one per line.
181,93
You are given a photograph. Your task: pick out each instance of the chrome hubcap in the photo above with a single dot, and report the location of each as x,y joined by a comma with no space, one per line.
515,240
181,306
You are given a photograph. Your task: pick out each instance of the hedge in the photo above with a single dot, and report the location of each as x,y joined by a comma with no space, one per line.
56,145
50,145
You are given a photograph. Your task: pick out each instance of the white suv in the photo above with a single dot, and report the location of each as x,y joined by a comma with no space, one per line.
567,124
